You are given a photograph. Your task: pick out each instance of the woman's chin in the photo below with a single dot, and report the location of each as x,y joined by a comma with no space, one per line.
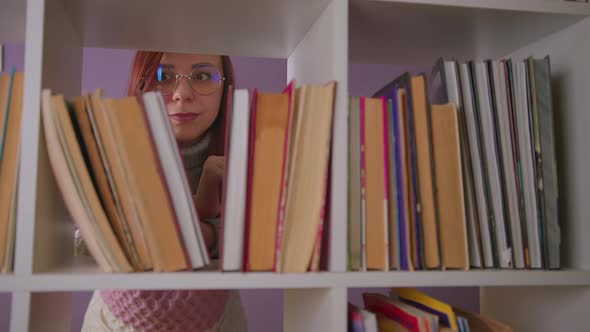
186,138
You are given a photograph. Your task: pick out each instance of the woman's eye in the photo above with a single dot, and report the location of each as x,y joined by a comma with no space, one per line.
165,77
201,76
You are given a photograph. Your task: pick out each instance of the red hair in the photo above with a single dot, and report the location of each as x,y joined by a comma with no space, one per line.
143,74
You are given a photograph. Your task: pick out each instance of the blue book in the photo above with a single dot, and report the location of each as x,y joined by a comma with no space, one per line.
4,120
390,92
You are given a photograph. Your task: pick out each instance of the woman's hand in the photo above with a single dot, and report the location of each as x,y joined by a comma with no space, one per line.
208,196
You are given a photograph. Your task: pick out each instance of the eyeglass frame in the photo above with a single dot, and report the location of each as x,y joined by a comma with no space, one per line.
178,76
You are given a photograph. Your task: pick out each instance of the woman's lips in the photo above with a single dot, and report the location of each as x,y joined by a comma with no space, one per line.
183,116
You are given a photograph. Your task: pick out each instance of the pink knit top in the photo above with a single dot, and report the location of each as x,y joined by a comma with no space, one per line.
171,310
164,310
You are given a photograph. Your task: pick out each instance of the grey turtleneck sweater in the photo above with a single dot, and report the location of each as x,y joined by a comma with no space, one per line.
193,157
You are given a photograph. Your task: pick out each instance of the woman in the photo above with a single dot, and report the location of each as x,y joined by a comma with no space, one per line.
194,88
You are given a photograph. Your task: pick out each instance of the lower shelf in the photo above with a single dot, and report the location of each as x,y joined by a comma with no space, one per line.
261,280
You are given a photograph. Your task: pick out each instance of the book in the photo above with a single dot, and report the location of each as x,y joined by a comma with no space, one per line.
308,176
369,321
449,181
425,167
151,189
383,305
543,114
403,183
176,186
119,183
11,99
481,323
503,251
99,171
76,186
355,319
355,235
422,301
270,129
527,168
445,87
475,142
507,175
234,205
293,131
409,173
374,117
129,196
392,200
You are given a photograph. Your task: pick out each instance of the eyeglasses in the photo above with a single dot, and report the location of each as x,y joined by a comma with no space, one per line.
204,79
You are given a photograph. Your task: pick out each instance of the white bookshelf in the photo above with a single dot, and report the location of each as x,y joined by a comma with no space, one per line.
319,39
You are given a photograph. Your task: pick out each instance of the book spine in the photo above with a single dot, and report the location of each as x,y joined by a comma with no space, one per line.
363,187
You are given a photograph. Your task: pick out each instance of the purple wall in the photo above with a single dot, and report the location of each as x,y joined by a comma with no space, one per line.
5,311
109,69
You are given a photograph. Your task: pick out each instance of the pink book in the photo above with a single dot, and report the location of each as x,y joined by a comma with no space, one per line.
284,179
379,303
363,188
320,249
385,184
228,119
249,180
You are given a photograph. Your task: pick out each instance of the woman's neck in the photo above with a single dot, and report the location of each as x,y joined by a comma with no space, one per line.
193,157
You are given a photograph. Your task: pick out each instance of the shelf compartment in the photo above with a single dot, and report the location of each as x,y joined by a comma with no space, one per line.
418,32
268,28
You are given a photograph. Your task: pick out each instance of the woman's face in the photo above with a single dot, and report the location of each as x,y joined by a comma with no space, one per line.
190,112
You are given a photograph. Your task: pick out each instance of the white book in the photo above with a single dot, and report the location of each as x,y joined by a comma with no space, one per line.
454,94
492,162
178,187
369,321
523,124
476,161
509,178
235,185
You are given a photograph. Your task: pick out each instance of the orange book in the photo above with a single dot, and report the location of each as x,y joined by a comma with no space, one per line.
426,183
147,184
105,189
373,116
307,185
408,243
76,186
449,180
291,134
120,187
270,132
10,123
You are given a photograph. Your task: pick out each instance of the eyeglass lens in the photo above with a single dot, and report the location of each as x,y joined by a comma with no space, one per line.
204,79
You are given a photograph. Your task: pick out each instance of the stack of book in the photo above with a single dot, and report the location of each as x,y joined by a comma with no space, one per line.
407,309
121,176
11,98
455,171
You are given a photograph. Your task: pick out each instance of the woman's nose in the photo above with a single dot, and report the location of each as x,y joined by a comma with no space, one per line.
183,91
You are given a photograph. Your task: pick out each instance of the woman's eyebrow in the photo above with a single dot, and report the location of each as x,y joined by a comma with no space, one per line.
201,64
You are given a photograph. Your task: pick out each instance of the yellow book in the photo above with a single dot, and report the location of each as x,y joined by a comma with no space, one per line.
423,301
